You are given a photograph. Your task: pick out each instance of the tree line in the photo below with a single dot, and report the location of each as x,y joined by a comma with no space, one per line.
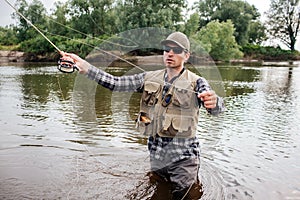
227,29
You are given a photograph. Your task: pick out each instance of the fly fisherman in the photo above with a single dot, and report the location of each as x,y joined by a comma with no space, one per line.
169,110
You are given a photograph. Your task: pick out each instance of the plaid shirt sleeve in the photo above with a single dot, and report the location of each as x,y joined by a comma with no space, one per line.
131,83
202,85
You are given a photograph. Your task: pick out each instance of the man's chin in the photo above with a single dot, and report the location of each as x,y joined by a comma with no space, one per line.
169,64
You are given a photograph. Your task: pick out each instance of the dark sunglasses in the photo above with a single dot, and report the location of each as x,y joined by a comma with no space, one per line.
176,50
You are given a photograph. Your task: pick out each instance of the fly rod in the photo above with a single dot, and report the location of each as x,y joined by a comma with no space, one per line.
66,66
29,22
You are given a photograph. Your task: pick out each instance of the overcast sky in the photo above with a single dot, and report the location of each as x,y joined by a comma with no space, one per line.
6,10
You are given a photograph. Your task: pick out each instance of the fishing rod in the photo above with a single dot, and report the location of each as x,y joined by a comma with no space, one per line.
89,36
67,65
99,49
124,60
29,22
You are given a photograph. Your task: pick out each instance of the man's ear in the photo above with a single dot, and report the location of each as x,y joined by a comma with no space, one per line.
187,56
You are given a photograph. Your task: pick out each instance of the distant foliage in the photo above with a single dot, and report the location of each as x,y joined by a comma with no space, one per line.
36,45
218,40
269,53
221,26
239,12
8,36
192,25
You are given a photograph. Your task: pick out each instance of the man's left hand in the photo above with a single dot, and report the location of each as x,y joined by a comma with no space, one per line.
209,99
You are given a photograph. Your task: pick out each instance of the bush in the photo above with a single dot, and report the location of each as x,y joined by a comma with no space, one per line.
7,37
269,53
218,40
40,46
37,45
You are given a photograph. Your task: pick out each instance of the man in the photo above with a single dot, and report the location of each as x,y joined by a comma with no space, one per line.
169,110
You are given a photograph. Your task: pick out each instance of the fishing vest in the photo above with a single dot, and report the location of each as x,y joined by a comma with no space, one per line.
174,115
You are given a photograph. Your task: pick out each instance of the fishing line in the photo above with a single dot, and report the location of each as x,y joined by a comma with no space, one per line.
98,49
65,65
39,31
68,66
89,36
122,59
29,22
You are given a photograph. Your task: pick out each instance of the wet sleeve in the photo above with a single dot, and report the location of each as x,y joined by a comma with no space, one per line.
130,83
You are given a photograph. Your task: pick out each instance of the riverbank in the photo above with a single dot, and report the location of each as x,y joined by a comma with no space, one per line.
22,57
11,56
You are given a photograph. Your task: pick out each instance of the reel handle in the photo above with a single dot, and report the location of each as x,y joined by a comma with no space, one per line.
66,66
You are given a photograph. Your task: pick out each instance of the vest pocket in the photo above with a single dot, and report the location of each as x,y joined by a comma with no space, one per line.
178,126
150,93
182,98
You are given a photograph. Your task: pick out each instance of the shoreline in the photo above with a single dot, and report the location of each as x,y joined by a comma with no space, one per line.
22,57
11,56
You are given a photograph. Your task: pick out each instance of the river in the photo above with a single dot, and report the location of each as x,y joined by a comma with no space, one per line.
64,137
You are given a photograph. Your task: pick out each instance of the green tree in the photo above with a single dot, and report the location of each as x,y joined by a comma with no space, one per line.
218,40
192,25
154,13
206,9
8,36
239,12
283,21
58,19
91,16
35,13
256,33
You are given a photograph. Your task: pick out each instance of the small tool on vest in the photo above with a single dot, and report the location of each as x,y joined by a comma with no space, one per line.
142,117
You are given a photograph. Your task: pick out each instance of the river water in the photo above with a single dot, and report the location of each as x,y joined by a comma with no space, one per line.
64,137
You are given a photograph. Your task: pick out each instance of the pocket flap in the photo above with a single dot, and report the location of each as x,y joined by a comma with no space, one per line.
182,123
167,122
151,87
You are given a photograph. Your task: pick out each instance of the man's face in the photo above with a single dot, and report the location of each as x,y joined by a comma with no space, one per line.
174,56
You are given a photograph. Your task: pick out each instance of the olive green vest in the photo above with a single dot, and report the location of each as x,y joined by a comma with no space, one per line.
176,115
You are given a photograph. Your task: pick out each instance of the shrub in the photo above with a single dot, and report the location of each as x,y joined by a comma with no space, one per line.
218,40
269,53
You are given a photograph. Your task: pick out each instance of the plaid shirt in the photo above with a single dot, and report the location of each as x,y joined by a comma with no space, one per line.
161,148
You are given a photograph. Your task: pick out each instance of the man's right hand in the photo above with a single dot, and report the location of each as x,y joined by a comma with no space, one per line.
81,64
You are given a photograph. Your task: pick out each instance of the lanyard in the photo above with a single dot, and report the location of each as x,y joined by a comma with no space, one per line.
168,84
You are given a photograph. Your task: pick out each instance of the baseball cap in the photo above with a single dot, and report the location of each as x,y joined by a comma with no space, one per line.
178,38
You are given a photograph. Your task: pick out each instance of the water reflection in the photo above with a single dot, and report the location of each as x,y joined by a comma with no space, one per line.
237,81
63,136
278,81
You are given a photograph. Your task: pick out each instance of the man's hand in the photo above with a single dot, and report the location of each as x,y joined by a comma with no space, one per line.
209,99
82,65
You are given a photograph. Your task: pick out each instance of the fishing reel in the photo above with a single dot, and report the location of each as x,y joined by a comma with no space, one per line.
66,65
